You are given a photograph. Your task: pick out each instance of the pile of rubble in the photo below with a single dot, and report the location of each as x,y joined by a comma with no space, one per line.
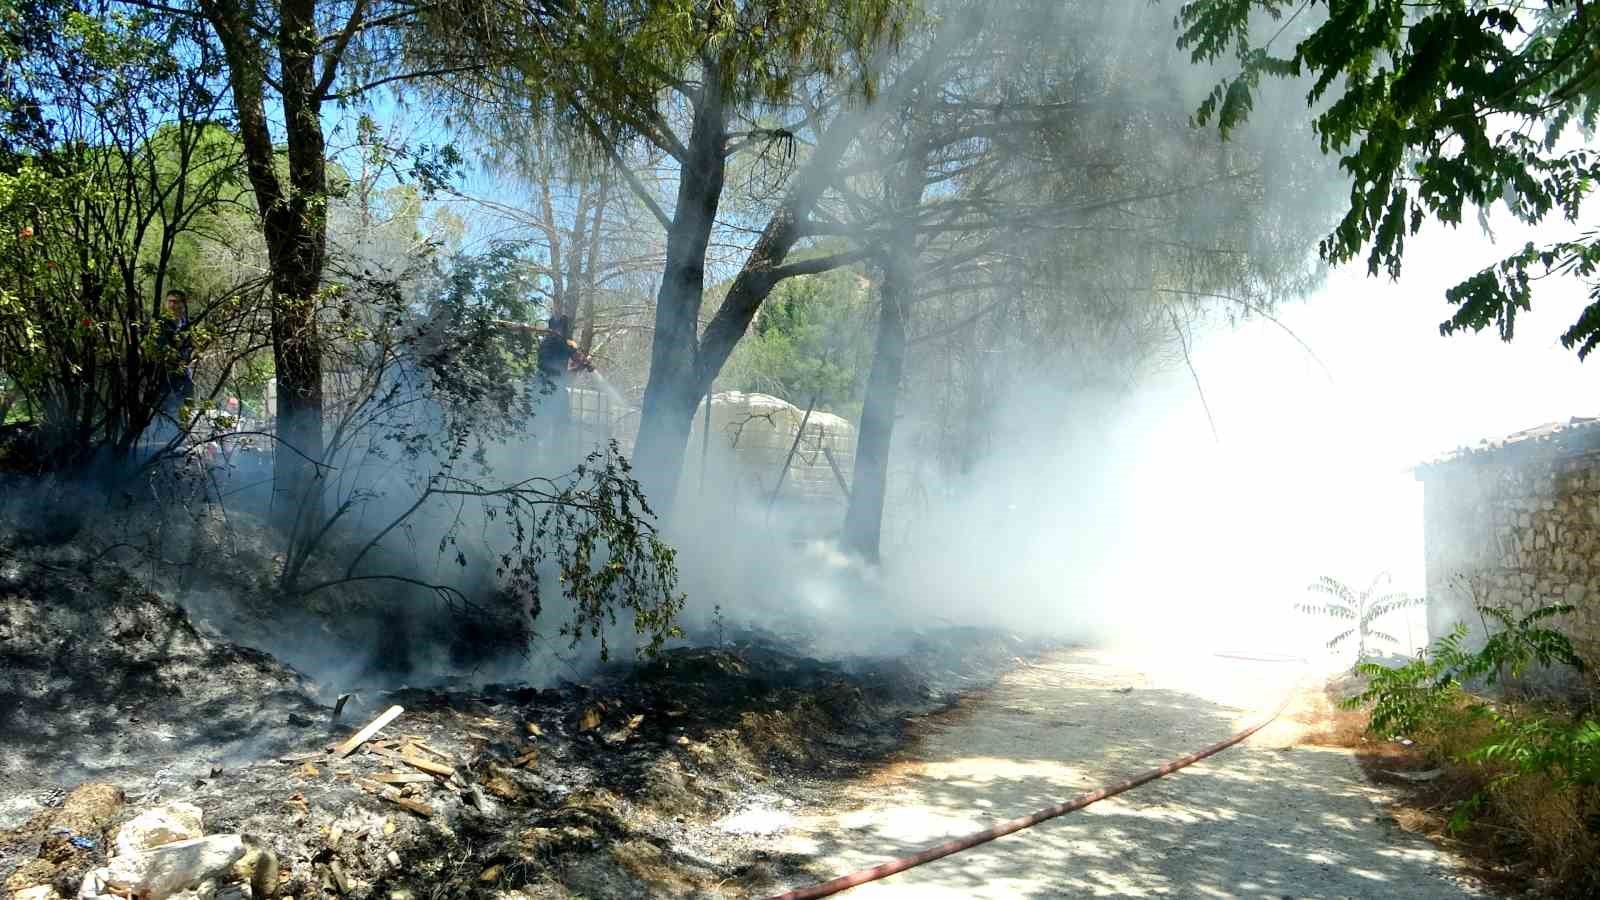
640,783
161,854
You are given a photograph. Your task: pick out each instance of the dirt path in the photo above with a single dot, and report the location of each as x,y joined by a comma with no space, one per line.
1266,819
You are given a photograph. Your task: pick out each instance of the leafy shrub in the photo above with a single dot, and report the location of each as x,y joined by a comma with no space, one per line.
1538,768
1568,752
1407,700
1412,698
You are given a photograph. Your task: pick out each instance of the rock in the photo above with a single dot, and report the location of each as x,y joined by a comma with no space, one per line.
37,892
258,868
163,825
164,871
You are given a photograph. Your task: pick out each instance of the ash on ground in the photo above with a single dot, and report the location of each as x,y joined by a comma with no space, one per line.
657,779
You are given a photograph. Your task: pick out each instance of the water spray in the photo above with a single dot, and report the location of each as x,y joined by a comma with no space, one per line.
605,385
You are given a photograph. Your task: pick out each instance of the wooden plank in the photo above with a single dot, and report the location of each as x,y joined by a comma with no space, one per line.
432,752
838,476
416,806
403,778
427,765
365,734
340,880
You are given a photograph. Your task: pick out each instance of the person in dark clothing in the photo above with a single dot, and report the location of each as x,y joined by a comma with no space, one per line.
177,378
557,352
558,358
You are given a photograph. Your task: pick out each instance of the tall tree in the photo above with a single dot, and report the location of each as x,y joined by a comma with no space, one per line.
283,46
285,60
1053,209
903,192
1432,108
688,79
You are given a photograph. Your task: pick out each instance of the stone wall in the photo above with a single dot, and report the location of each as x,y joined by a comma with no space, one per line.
1523,528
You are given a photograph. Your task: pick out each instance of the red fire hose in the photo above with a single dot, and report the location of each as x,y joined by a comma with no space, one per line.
884,870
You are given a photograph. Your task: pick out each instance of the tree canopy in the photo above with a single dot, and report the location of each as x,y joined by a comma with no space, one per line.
1433,108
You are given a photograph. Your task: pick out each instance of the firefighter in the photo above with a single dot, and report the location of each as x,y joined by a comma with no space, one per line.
177,379
557,352
558,358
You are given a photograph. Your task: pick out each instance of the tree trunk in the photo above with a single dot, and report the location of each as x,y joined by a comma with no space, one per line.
684,365
574,275
672,390
294,224
591,272
297,263
552,232
863,521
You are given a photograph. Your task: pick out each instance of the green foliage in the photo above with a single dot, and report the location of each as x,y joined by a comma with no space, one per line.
444,389
1427,697
104,206
616,561
1514,643
1569,752
604,68
811,340
1363,609
1412,698
1441,105
478,368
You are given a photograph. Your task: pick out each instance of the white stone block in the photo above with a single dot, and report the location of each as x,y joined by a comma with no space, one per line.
163,825
163,872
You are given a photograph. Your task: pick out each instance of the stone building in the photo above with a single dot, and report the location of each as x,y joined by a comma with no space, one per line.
1516,522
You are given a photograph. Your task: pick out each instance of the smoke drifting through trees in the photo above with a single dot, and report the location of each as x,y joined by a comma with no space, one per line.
1011,196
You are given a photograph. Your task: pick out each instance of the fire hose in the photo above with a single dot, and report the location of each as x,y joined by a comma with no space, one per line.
956,845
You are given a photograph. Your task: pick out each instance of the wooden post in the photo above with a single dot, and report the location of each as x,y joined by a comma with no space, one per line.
838,476
788,460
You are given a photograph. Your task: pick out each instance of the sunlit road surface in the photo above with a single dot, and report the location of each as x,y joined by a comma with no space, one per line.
1263,819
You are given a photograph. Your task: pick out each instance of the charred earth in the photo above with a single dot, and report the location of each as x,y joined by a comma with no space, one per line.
652,779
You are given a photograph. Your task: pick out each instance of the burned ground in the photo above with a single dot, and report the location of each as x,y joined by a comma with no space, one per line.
100,678
642,781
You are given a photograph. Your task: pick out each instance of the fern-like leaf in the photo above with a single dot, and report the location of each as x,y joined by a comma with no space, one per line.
1331,610
1334,588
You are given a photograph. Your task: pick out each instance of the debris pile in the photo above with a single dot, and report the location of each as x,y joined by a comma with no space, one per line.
659,778
161,854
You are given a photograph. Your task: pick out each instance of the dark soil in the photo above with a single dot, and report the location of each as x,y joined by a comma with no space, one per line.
101,679
619,787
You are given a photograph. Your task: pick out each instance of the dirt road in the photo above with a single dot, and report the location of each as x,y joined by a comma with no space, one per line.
1265,819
